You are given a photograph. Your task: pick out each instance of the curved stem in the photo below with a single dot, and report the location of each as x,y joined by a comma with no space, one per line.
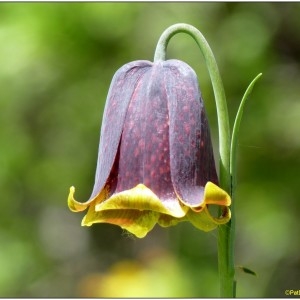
223,120
226,232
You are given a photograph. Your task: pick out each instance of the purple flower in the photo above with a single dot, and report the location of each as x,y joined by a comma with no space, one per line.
155,161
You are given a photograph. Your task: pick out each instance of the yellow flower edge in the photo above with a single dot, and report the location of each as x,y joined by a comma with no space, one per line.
215,195
138,210
143,199
136,222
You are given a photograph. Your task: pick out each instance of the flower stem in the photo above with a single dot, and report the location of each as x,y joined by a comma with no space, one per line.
226,232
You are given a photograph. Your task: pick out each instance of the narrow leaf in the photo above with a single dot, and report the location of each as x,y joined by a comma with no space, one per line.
236,128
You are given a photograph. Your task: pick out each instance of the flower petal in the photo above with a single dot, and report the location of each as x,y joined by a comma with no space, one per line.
136,210
81,206
120,93
144,148
143,199
215,195
200,216
137,222
205,221
167,220
192,161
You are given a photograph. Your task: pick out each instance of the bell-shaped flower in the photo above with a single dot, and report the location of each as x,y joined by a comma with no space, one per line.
155,160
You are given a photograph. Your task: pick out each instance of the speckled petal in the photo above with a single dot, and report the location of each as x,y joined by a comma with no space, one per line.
191,153
123,87
144,148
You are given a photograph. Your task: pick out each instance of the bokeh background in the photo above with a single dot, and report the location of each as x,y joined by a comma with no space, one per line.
56,64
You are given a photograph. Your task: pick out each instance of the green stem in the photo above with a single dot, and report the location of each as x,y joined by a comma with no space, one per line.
226,232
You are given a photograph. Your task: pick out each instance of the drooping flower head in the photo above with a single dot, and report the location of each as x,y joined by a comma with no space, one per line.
155,161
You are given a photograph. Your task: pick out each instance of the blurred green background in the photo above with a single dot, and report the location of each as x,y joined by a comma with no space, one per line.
56,64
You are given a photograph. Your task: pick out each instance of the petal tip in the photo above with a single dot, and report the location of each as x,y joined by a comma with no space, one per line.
74,205
213,194
84,222
206,222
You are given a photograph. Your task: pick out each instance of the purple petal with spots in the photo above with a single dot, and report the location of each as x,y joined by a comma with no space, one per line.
122,89
144,148
191,154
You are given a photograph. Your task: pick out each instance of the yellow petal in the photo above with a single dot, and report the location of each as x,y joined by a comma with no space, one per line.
81,206
215,195
167,220
205,221
137,222
142,198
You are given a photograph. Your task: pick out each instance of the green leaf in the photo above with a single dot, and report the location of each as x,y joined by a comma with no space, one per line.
247,270
236,128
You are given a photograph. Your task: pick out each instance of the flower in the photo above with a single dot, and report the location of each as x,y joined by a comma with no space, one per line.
155,161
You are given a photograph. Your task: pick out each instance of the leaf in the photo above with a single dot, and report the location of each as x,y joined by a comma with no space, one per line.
247,270
236,128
